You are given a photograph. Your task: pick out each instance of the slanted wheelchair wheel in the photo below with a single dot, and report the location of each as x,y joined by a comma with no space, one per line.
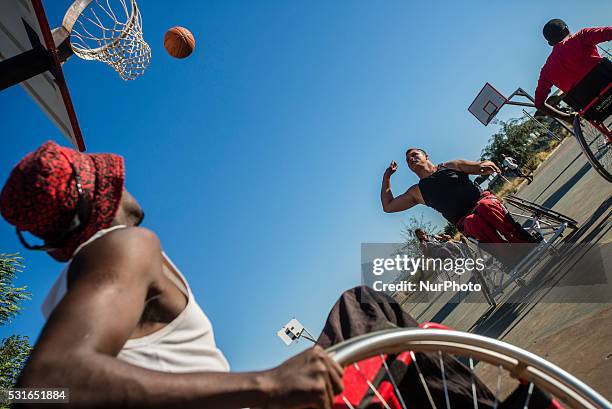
494,362
540,211
596,147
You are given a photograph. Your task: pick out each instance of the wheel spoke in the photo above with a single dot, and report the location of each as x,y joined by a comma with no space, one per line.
422,378
347,403
474,395
444,382
372,387
498,388
392,379
528,397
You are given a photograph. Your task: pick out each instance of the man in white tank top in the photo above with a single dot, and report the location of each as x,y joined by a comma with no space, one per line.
124,329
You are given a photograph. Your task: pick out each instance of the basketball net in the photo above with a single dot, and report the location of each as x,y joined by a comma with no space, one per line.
112,35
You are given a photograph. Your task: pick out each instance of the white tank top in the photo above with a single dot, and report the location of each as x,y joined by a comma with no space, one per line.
186,344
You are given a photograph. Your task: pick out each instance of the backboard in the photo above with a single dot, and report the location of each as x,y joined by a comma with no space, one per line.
49,89
487,104
291,331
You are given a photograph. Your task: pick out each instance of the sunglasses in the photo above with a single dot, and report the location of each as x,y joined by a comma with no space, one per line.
78,223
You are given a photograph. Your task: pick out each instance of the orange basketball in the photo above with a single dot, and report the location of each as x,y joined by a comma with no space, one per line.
179,42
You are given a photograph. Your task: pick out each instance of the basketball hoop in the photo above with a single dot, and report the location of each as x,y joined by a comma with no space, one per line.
112,34
487,104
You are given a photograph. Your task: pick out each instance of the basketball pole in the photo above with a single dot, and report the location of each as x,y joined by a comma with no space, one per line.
521,93
548,131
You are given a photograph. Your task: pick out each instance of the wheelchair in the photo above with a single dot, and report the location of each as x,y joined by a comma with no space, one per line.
547,225
591,99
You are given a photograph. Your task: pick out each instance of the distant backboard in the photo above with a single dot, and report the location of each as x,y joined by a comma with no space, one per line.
291,331
49,90
487,104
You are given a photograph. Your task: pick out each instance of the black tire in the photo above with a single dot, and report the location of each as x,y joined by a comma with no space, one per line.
541,211
596,147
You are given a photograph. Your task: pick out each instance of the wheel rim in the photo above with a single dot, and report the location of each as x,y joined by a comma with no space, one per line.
541,210
526,365
596,147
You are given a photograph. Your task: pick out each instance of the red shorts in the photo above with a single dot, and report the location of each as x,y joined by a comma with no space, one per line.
490,222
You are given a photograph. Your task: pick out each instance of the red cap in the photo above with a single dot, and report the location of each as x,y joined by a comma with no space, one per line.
41,195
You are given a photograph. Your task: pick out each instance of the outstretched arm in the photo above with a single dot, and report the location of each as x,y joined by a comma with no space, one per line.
79,344
392,204
486,167
594,35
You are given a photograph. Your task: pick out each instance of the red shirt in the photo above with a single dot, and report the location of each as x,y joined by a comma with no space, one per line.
570,60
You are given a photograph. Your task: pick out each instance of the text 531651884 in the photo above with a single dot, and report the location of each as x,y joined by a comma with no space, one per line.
34,395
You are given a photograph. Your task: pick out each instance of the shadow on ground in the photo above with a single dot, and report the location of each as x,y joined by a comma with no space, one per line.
567,268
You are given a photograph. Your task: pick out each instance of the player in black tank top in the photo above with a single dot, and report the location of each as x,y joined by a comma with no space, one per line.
448,189
450,192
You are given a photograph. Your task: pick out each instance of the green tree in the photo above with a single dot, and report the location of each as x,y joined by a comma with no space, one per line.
414,223
10,296
15,349
516,138
450,229
523,139
14,352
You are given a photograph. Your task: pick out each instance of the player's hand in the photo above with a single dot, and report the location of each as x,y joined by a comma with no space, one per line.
392,168
308,380
487,167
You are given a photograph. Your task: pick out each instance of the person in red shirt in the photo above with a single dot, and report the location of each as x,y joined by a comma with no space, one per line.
572,58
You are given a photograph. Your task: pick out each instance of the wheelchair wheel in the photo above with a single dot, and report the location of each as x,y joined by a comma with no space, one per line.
540,211
486,359
596,147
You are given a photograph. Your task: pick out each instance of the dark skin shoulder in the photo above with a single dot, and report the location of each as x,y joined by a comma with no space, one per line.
124,266
163,300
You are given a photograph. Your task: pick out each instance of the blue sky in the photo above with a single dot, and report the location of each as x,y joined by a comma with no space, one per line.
258,159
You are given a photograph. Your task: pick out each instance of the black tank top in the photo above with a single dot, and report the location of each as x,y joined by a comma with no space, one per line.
450,192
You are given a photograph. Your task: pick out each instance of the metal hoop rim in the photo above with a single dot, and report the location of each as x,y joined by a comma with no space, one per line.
78,7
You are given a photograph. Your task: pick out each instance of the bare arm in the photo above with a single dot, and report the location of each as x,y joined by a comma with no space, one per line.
485,167
78,346
442,237
392,204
